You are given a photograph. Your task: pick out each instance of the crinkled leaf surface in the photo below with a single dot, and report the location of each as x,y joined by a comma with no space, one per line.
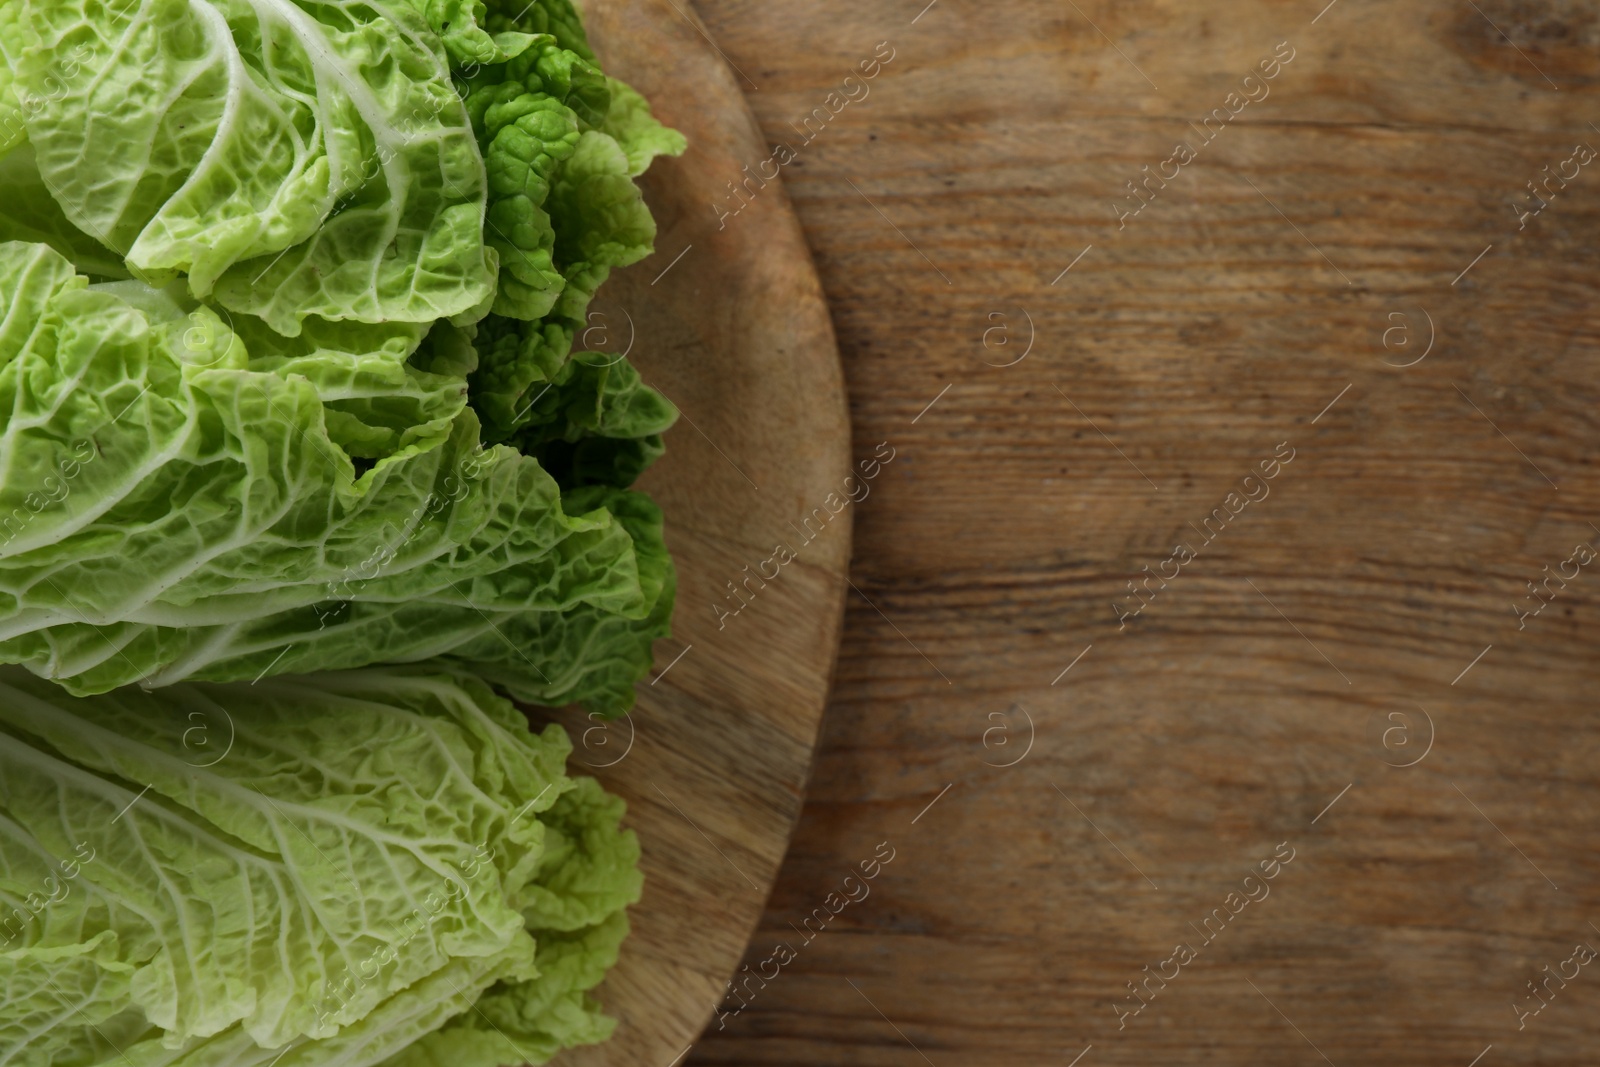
323,870
597,423
30,212
136,432
562,143
641,137
294,158
247,252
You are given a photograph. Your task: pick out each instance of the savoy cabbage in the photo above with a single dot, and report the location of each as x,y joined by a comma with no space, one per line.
285,268
300,476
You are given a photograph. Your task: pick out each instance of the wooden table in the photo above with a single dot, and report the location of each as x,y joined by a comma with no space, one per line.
1339,672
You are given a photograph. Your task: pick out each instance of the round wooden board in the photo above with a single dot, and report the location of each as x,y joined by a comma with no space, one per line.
730,323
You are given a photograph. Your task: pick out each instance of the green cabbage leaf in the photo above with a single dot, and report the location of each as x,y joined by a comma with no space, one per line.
300,475
288,159
298,507
377,868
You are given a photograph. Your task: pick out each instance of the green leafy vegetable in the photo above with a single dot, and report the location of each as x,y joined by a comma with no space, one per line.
288,296
377,867
285,366
297,160
562,144
232,477
597,423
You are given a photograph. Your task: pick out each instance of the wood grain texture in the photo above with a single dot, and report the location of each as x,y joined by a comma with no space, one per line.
713,760
1251,293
